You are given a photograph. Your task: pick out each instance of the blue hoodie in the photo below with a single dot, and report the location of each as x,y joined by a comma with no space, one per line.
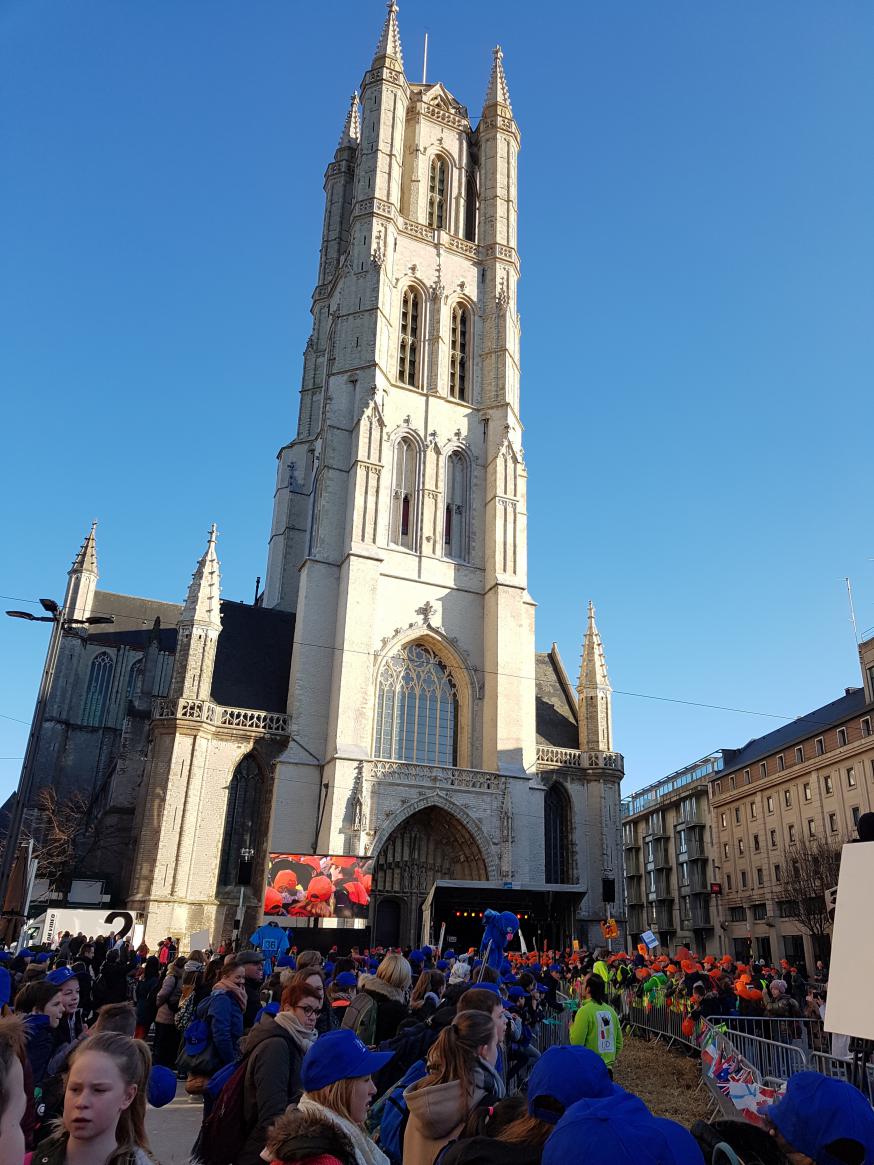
39,1044
225,1019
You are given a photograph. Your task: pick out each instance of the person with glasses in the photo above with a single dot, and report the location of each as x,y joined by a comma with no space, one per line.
274,1050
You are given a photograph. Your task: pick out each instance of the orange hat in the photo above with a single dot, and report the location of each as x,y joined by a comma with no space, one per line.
272,901
285,880
688,1026
671,969
642,973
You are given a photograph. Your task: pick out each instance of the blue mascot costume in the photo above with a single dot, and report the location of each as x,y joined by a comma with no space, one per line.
499,930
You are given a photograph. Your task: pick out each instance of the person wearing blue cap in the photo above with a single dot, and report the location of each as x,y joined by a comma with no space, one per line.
822,1121
341,992
619,1129
329,1118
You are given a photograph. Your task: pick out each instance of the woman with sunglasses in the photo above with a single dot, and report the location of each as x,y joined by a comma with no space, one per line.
274,1051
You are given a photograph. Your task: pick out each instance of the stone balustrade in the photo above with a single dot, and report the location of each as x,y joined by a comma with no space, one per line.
572,758
407,773
204,711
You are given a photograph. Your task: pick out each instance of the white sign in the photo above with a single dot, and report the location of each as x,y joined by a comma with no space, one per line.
198,940
849,1010
650,939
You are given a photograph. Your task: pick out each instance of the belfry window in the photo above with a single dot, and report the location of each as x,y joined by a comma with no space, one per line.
97,692
404,494
459,332
437,193
456,508
242,818
416,708
408,349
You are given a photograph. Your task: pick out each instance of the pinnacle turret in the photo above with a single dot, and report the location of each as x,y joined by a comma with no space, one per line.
497,92
352,128
594,691
202,604
389,45
86,559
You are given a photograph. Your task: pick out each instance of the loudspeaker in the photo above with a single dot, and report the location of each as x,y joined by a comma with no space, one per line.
244,872
608,890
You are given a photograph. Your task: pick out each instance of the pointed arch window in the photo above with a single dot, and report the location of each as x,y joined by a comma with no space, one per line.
404,508
135,680
470,208
97,691
459,336
408,350
416,708
456,507
242,818
557,830
437,193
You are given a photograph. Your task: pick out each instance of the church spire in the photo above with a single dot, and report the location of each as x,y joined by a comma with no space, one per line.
352,127
389,45
86,560
82,579
594,691
202,604
497,92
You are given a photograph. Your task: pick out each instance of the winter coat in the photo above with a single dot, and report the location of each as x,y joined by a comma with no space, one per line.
53,1152
391,1006
253,1001
111,985
145,1010
39,1045
302,1139
437,1115
272,1082
225,1018
168,997
489,1151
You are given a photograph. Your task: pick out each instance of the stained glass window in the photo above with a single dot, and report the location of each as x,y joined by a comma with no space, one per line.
416,708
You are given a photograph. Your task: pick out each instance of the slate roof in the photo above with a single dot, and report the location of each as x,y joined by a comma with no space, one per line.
134,619
851,704
556,715
253,658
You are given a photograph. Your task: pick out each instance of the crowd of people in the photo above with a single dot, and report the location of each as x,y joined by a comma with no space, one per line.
376,1058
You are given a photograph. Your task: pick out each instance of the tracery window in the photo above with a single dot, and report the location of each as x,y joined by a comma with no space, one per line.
404,494
557,834
97,691
437,193
456,508
416,708
135,679
242,818
408,348
459,332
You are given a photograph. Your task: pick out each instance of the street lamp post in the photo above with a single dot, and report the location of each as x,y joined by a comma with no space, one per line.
55,616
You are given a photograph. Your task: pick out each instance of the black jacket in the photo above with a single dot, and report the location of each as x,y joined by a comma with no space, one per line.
489,1151
299,1138
272,1082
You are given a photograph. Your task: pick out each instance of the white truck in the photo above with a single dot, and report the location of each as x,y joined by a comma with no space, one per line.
46,929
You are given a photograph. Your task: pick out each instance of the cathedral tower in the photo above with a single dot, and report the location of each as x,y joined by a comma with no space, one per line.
399,528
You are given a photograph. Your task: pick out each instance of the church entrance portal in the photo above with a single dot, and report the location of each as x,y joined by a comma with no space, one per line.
427,846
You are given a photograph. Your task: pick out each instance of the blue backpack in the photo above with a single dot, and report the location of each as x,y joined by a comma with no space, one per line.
389,1114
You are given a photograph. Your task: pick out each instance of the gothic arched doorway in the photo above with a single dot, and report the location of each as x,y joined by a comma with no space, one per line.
429,845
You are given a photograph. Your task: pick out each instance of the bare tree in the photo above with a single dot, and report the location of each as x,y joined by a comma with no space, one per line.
810,870
67,833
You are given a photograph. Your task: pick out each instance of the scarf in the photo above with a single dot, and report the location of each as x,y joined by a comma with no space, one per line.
487,1078
302,1036
366,1152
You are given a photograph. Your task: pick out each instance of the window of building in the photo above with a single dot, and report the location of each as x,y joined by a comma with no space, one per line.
437,193
842,737
724,820
746,776
728,881
684,873
737,914
769,804
740,845
725,849
731,782
851,777
773,838
760,911
791,833
650,851
241,838
743,879
763,769
455,524
832,822
405,493
760,876
799,753
753,810
459,333
557,824
97,690
866,725
819,745
416,708
778,873
717,787
855,813
811,827
408,350
808,795
786,908
681,841
756,843
828,785
781,763
651,881
135,680
787,798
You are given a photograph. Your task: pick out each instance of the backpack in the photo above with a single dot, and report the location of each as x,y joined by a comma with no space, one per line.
185,1014
389,1114
360,1016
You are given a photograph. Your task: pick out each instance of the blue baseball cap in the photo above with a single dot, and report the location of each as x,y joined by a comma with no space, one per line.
620,1129
449,954
487,986
346,979
286,961
43,957
517,993
61,976
427,952
565,1075
416,957
442,965
817,1110
339,1055
161,1088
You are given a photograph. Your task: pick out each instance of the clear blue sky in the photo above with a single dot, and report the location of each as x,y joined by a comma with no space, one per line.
697,246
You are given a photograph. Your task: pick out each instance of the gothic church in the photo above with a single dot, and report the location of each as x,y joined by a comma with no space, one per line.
383,696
